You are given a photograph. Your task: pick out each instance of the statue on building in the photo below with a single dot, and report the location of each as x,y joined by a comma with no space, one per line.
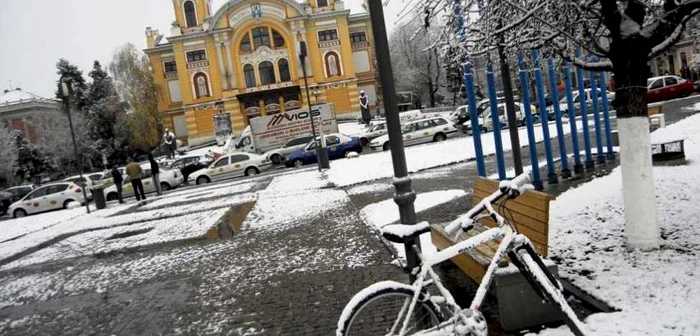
170,142
364,107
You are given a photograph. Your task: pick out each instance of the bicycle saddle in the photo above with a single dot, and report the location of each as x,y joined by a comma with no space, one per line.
398,233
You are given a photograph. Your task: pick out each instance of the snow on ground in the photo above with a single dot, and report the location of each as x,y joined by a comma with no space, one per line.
351,128
691,108
370,188
197,194
104,219
377,166
20,226
386,212
657,292
185,227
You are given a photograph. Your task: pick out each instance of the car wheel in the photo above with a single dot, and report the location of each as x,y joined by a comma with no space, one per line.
439,137
364,142
484,129
386,146
164,186
67,202
276,158
19,213
298,163
112,197
202,180
251,171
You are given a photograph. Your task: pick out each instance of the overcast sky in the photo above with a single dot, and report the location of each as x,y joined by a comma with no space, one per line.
34,34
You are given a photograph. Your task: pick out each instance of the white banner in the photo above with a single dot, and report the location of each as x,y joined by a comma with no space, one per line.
275,130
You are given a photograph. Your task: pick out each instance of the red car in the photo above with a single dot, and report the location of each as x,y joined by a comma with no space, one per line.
667,87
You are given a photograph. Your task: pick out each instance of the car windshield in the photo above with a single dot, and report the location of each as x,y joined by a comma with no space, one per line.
407,128
649,81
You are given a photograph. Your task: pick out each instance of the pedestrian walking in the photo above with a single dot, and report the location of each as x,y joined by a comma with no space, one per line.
135,172
118,180
170,143
155,171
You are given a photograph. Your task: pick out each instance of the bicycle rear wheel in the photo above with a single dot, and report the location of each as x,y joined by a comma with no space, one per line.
551,292
381,310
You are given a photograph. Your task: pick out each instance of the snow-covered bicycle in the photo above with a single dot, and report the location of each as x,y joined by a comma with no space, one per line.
393,308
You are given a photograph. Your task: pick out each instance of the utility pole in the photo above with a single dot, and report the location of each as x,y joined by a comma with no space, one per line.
66,91
321,155
404,195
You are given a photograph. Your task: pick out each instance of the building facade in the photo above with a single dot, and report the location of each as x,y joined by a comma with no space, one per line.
679,56
243,60
19,110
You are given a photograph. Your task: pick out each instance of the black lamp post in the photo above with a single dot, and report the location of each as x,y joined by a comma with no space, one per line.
321,155
66,89
404,195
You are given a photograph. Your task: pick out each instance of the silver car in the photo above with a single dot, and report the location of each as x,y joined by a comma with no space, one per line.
280,155
372,133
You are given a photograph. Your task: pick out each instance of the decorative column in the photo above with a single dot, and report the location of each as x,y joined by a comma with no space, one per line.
227,46
222,72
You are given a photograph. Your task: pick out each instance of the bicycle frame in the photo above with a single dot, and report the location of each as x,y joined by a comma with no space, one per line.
505,232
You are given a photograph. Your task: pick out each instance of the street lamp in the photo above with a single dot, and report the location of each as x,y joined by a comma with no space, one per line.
66,88
321,155
404,195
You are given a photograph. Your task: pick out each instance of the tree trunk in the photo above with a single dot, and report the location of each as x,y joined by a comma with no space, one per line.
629,57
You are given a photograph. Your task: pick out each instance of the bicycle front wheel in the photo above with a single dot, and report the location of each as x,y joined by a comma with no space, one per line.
382,310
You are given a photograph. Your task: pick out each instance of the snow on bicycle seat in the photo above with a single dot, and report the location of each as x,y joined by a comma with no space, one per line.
397,233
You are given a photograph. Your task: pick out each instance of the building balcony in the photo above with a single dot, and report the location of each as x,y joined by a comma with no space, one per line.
328,44
198,64
171,75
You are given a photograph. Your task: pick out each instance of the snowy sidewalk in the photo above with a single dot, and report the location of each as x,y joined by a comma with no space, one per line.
657,292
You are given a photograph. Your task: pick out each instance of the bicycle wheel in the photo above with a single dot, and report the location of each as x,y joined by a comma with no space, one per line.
551,292
377,309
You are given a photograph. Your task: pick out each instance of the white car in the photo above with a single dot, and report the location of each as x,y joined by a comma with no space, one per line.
486,122
280,155
168,179
371,133
433,129
564,106
46,198
237,164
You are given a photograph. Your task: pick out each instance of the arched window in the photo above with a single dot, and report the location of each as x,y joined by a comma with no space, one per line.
321,3
249,74
283,66
332,64
261,37
190,14
245,43
201,85
277,39
267,73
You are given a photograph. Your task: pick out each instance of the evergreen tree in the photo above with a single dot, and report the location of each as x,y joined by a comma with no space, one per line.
30,161
75,76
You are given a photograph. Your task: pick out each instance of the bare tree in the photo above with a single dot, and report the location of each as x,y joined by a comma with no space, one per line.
615,35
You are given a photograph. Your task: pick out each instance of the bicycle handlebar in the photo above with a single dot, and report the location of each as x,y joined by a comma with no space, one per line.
512,189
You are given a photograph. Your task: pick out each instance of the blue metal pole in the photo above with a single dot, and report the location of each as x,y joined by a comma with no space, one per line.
493,102
536,179
584,114
476,129
596,118
565,171
544,118
606,116
571,109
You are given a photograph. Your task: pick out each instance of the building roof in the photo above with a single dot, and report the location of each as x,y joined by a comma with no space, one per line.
18,97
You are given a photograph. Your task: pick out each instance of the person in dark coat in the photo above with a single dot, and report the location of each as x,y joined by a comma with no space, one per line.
155,171
118,180
364,108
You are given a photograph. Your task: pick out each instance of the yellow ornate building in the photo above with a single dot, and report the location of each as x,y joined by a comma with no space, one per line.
243,60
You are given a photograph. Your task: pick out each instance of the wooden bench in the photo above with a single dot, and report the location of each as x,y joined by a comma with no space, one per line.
529,213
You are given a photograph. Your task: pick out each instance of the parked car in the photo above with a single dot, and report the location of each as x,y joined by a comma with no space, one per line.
419,131
668,87
564,106
190,164
169,178
281,154
11,195
237,164
372,133
47,198
337,146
